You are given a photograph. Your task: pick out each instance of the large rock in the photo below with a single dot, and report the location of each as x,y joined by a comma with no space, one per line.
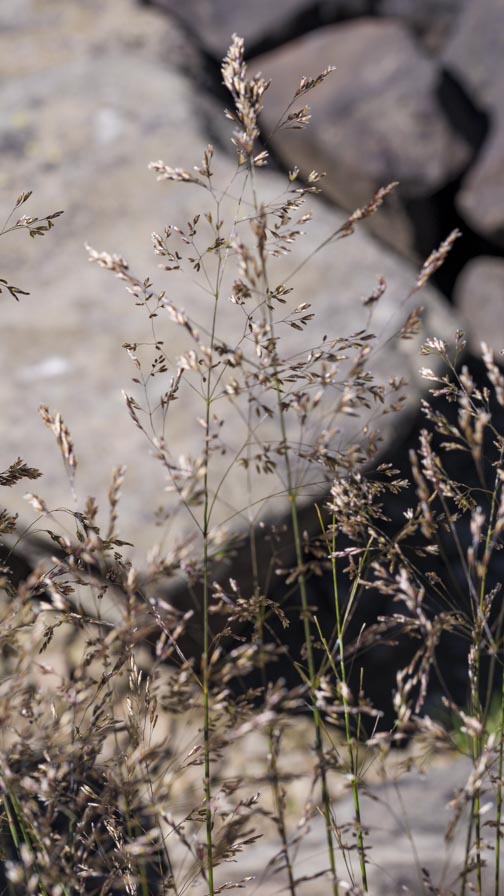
375,119
89,127
479,297
431,21
475,57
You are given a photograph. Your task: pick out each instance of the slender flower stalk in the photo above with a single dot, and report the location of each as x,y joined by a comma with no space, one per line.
205,660
341,675
499,791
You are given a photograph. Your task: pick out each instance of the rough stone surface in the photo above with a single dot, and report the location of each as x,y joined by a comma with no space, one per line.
375,119
475,56
479,297
431,21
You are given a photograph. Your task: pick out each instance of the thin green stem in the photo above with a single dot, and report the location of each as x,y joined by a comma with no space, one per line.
466,854
313,681
205,660
16,827
478,739
206,724
352,753
279,799
500,772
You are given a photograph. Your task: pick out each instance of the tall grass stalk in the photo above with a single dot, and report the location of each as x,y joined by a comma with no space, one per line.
352,751
340,675
499,787
205,660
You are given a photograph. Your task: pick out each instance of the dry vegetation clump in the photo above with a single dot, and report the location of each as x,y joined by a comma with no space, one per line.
116,771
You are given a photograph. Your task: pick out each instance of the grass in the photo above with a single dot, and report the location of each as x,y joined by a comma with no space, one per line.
115,772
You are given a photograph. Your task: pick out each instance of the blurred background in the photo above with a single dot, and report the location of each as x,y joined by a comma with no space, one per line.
92,92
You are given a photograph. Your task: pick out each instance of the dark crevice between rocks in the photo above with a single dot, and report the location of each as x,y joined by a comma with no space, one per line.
439,210
388,653
463,115
313,16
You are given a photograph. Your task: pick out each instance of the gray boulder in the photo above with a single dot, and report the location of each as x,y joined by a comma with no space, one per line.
431,21
374,120
475,57
479,297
